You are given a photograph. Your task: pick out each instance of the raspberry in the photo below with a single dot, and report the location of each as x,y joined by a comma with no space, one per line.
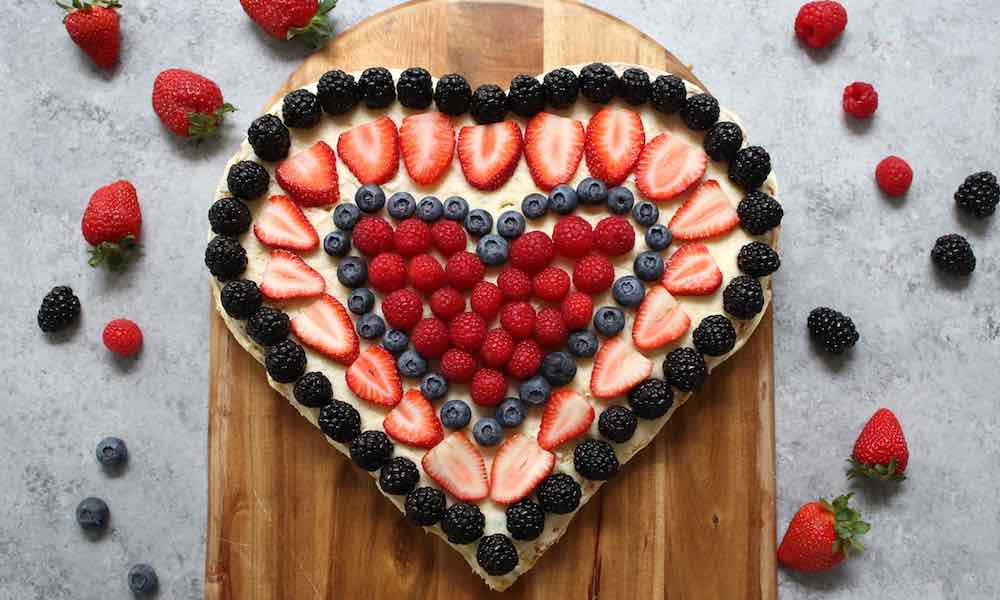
486,299
412,237
448,237
894,176
818,24
525,360
458,366
531,252
447,303
614,236
467,331
402,309
430,338
464,269
576,310
489,387
387,272
518,318
497,348
550,331
860,100
372,236
573,236
593,274
426,274
123,337
515,284
551,284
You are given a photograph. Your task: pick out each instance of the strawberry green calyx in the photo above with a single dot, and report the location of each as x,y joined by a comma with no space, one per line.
203,125
874,471
847,525
87,5
318,30
115,256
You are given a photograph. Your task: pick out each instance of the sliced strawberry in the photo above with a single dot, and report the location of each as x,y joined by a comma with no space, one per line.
615,137
668,166
618,367
326,327
287,276
310,176
659,320
553,147
427,142
489,153
692,271
567,416
706,213
518,468
413,422
371,151
283,225
373,377
456,465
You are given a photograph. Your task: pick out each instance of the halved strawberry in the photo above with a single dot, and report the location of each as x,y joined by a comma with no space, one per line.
310,176
456,465
518,468
659,320
668,166
692,271
371,151
287,276
373,377
618,367
489,153
283,225
326,327
706,213
427,142
553,147
567,416
413,422
615,137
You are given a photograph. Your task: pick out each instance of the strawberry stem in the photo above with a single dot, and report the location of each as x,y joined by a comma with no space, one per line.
115,256
847,525
318,30
874,471
203,125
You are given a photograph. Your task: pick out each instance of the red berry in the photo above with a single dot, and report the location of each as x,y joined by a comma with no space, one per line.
458,366
515,284
123,337
412,237
573,236
448,237
489,387
532,252
426,274
550,331
497,348
518,318
447,303
430,338
551,284
189,104
402,309
614,236
525,360
467,331
577,309
111,223
95,30
464,270
487,299
860,100
387,272
894,176
818,24
593,274
372,236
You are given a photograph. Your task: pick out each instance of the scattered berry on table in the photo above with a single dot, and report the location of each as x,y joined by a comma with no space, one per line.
340,421
456,208
247,180
518,319
562,199
700,112
302,19
370,327
979,194
833,330
595,460
424,506
953,254
525,359
559,493
458,365
411,364
550,284
561,87
487,299
615,139
534,391
487,431
488,104
285,361
497,348
447,303
395,341
268,326
819,24
455,414
92,514
375,87
142,580
488,387
685,369
617,423
414,88
399,477
743,297
628,291
757,259
609,320
750,167
373,236
111,224
510,412
821,535
448,237
558,368
430,338
361,301
111,452
94,26
463,523
599,83
576,309
352,272
723,140
229,216
573,236
592,192
337,243
301,109
648,266
614,236
620,200
387,272
593,274
401,205
860,100
314,390
668,93
492,250
634,86
478,222
60,308
337,91
429,209
894,176
510,223
651,399
452,94
346,216
714,336
371,450
464,270
759,213
269,138
525,519
496,555
582,344
123,337
550,331
189,104
880,452
526,96
534,206
412,237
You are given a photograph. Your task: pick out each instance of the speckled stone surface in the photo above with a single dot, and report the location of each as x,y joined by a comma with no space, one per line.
929,349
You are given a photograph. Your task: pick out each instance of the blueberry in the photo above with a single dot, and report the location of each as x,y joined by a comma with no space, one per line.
620,200
352,272
370,327
582,344
510,413
142,580
92,514
411,364
658,237
487,431
535,391
402,205
434,386
592,191
361,301
558,368
510,224
645,213
478,222
648,266
455,414
628,291
346,216
492,249
337,243
395,341
609,320
429,209
563,199
456,208
111,452
535,206
370,198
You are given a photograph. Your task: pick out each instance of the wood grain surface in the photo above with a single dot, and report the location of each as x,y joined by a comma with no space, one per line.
691,517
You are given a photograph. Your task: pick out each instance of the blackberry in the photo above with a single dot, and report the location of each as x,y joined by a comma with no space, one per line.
424,506
285,361
953,254
463,523
599,83
268,326
340,421
270,138
743,297
371,449
313,390
685,369
750,167
668,93
375,87
338,93
414,88
525,520
452,94
759,213
714,336
634,86
59,309
651,399
229,216
595,460
225,257
561,87
723,140
526,96
833,330
247,180
489,104
979,194
700,112
301,109
497,555
559,493
757,259
399,477
240,298
617,423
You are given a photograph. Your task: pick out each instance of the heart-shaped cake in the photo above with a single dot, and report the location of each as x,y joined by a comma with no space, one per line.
492,301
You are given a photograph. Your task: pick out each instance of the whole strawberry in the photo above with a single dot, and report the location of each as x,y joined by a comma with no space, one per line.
188,104
880,451
286,19
111,224
93,26
821,535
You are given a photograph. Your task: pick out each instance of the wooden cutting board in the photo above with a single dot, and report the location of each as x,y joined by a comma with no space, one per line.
691,517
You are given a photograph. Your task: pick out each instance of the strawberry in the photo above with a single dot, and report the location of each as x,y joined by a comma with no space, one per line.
326,327
456,465
553,147
371,151
567,416
427,143
706,213
189,104
618,367
111,224
489,153
667,167
413,422
283,225
659,320
821,535
692,271
373,377
287,277
287,19
518,468
310,177
123,337
615,137
93,25
880,451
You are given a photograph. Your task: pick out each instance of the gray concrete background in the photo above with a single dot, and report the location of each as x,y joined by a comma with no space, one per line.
929,348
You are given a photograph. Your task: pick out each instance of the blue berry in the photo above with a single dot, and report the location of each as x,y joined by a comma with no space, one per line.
93,514
510,224
455,414
645,213
370,198
411,364
402,205
142,580
361,301
434,386
592,191
648,266
535,391
658,237
628,291
620,200
492,250
558,368
535,206
112,452
352,272
370,327
456,208
346,216
609,320
582,344
487,431
478,222
395,341
563,199
337,243
429,209
510,413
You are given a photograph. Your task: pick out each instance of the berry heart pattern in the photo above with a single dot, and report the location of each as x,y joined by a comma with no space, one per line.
492,306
